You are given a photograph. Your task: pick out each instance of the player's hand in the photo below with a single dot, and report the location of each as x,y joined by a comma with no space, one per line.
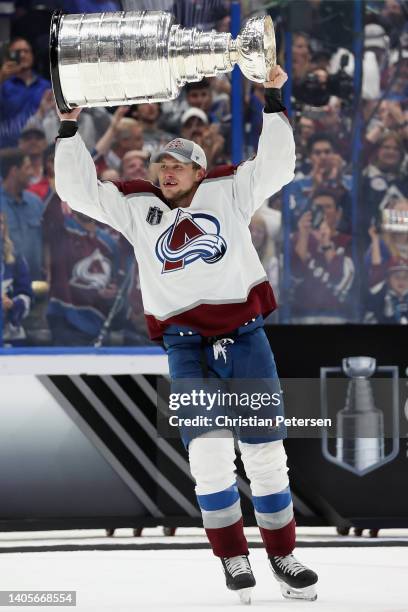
277,78
71,116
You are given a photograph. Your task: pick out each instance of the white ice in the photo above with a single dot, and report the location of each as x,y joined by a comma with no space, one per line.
350,579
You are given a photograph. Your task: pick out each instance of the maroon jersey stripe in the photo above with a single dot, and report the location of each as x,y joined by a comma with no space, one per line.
216,319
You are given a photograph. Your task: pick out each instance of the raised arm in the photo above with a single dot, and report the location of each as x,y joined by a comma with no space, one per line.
273,166
77,184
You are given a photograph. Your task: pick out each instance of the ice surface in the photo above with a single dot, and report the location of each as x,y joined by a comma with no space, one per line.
350,580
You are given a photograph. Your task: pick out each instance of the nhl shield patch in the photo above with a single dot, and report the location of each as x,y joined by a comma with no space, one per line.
154,215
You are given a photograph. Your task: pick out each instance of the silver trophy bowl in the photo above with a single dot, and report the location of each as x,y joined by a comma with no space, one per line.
131,57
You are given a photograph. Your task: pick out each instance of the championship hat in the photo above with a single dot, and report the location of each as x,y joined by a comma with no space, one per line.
184,151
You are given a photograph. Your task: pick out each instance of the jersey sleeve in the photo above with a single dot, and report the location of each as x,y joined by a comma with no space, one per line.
273,166
77,184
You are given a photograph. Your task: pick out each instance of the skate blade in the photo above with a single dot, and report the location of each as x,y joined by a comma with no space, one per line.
307,593
245,595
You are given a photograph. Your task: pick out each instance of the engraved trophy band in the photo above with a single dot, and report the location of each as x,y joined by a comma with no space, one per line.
130,57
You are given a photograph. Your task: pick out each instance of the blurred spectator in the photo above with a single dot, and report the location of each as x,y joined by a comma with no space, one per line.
256,105
325,208
91,6
46,185
301,58
192,122
198,13
83,262
133,166
398,76
92,122
124,134
386,245
148,116
383,178
323,276
16,290
265,248
389,117
131,321
23,209
327,171
388,302
32,143
110,175
376,48
200,95
394,19
213,143
21,91
335,122
304,129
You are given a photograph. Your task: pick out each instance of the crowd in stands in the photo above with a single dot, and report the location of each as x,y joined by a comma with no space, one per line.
340,256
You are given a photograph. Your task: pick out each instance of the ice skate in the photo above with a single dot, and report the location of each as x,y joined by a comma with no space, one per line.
296,580
239,576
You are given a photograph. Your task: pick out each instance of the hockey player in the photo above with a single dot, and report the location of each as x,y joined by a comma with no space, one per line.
205,293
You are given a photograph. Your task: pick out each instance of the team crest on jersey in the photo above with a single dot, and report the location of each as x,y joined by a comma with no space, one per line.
92,272
191,237
154,215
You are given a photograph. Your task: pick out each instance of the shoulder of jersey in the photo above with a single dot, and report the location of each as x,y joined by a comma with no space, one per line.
220,171
139,186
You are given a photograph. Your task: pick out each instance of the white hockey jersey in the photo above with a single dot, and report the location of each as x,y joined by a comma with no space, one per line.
198,267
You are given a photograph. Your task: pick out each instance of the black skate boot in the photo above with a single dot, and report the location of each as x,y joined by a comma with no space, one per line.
239,576
296,581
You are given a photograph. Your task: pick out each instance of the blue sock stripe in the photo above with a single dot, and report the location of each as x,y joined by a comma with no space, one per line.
220,500
272,503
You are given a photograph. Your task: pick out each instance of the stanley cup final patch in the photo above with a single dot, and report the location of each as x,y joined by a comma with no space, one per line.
154,216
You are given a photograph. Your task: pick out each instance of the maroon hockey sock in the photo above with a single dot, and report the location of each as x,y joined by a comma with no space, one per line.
279,542
228,541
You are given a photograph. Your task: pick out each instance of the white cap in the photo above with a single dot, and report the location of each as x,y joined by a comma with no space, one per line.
193,112
375,36
183,150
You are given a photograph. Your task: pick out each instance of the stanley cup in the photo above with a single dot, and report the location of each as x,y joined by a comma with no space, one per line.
108,59
360,425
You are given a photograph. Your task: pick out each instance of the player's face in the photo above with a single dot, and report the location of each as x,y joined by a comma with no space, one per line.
175,178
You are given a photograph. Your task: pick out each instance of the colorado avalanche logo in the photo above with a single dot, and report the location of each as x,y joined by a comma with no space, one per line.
191,237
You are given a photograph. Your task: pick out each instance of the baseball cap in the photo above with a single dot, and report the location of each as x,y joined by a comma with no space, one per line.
183,150
375,36
397,265
193,112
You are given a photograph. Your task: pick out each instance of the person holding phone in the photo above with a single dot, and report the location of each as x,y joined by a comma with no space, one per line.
21,91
